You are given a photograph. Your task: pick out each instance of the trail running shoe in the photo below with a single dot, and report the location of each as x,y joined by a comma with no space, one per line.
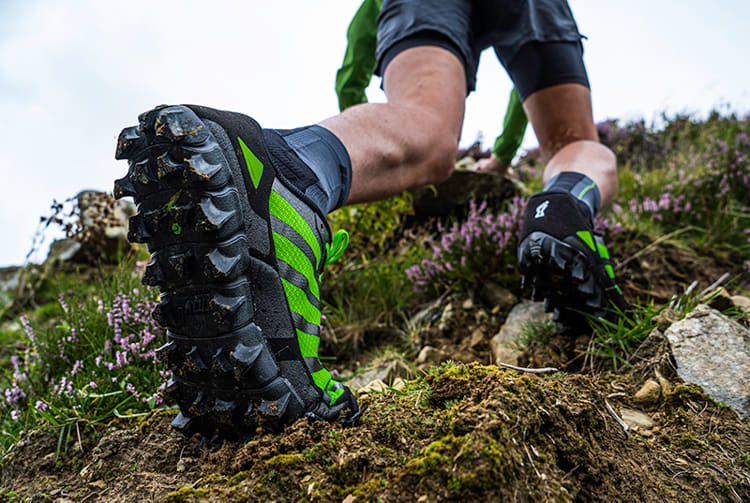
237,254
565,262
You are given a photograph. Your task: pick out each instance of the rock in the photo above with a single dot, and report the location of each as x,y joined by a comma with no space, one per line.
649,394
468,304
503,344
713,351
376,385
430,356
386,372
399,384
720,299
666,386
426,315
493,295
477,338
743,303
665,319
458,190
635,419
446,318
64,250
98,484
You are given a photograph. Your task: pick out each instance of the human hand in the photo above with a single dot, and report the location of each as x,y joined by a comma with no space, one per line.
492,164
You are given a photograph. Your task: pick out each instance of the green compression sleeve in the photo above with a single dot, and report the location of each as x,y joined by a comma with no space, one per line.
359,59
514,128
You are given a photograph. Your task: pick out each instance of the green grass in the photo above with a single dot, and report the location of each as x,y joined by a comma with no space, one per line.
614,342
536,331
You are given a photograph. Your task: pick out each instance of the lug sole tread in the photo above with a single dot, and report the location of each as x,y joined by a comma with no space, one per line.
564,278
225,379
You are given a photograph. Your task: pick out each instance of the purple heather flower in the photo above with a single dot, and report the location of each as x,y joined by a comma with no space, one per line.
27,328
77,366
63,304
14,395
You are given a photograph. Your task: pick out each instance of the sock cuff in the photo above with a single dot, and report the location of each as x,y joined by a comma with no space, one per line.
578,185
319,148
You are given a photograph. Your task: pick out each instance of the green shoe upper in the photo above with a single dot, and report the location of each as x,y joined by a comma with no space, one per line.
298,235
301,238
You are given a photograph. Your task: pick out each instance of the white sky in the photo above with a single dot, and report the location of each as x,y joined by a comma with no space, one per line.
74,72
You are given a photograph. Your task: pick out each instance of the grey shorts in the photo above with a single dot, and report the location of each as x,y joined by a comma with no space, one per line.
544,29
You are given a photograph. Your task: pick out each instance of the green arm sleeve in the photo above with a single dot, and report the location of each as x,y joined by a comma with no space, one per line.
359,59
514,128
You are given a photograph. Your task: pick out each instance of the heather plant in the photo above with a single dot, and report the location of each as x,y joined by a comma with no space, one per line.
91,361
480,248
698,189
635,143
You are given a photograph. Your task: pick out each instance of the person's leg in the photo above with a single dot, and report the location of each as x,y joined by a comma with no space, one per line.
563,123
235,218
561,257
412,139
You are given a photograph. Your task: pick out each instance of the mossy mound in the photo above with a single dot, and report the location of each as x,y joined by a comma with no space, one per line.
463,432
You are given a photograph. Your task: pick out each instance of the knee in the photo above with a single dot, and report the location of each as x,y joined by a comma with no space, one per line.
604,156
442,159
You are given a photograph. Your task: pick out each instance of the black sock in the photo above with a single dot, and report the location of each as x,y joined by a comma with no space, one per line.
581,187
315,161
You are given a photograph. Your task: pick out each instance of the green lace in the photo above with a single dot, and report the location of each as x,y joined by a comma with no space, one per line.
337,246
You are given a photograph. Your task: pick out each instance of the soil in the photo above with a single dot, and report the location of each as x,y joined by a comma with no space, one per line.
463,432
459,431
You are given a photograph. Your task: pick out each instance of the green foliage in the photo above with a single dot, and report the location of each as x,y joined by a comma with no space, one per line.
616,341
84,360
372,225
692,178
367,294
536,331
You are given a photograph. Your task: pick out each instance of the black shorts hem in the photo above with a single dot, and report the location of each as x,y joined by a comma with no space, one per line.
420,39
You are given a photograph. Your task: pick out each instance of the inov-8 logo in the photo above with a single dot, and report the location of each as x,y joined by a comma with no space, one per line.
541,209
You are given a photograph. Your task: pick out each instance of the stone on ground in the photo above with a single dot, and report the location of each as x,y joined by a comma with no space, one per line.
713,351
504,347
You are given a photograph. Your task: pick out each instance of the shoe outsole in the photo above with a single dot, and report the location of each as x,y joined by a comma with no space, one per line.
566,279
226,379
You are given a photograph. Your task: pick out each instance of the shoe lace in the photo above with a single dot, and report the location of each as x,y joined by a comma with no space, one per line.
337,246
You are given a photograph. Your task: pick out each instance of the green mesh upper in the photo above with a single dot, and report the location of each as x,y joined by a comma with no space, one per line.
298,290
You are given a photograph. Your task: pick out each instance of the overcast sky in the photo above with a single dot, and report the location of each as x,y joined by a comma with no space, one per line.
74,72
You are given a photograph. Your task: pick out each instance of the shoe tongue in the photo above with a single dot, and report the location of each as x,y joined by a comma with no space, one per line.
556,214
